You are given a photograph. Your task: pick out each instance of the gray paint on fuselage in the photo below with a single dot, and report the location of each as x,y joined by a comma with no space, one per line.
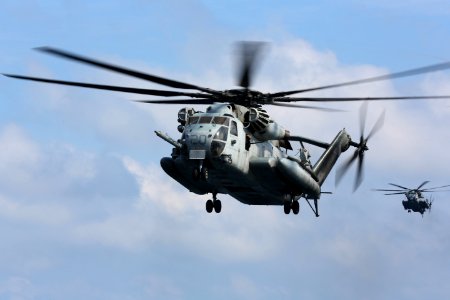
260,174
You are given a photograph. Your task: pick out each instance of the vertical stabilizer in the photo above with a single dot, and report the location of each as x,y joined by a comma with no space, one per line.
328,159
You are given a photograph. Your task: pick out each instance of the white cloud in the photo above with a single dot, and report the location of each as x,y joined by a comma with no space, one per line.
49,214
28,168
167,215
157,188
438,84
19,156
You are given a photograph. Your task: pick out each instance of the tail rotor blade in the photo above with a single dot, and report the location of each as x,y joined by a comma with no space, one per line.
340,172
359,172
361,147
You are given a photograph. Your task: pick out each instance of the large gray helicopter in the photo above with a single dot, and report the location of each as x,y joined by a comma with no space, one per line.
235,147
415,201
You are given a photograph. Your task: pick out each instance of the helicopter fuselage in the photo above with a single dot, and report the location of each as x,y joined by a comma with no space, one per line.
218,154
415,202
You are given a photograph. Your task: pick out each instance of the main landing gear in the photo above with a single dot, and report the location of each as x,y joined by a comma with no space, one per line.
214,204
293,205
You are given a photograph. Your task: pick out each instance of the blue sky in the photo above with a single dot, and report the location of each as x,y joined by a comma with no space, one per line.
86,211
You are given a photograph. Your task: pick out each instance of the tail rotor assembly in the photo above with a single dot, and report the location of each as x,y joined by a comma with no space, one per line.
361,147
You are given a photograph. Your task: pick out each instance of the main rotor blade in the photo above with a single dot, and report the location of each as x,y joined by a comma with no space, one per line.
433,188
412,72
340,172
435,191
422,184
362,118
305,106
110,87
384,190
121,70
346,99
399,193
249,53
402,187
180,101
379,123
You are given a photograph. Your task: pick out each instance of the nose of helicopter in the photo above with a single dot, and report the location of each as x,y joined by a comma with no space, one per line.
202,143
198,143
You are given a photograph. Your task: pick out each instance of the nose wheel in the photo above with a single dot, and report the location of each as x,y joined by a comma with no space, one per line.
214,204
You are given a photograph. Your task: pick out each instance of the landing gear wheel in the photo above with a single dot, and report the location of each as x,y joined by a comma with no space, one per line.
287,207
209,206
204,173
217,206
295,207
196,174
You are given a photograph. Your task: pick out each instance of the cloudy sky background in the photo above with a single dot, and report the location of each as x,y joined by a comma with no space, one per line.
86,211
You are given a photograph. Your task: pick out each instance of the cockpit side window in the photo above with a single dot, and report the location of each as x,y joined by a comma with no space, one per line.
219,141
221,134
233,128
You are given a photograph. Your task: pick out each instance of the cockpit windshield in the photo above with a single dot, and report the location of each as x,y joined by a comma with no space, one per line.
221,121
209,119
205,120
193,120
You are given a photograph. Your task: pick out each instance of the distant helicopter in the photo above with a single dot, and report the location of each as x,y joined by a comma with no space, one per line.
415,201
235,147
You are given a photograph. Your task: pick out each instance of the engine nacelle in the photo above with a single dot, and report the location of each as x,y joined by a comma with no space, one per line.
184,114
259,123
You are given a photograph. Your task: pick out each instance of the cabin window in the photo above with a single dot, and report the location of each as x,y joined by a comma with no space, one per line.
233,129
205,120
